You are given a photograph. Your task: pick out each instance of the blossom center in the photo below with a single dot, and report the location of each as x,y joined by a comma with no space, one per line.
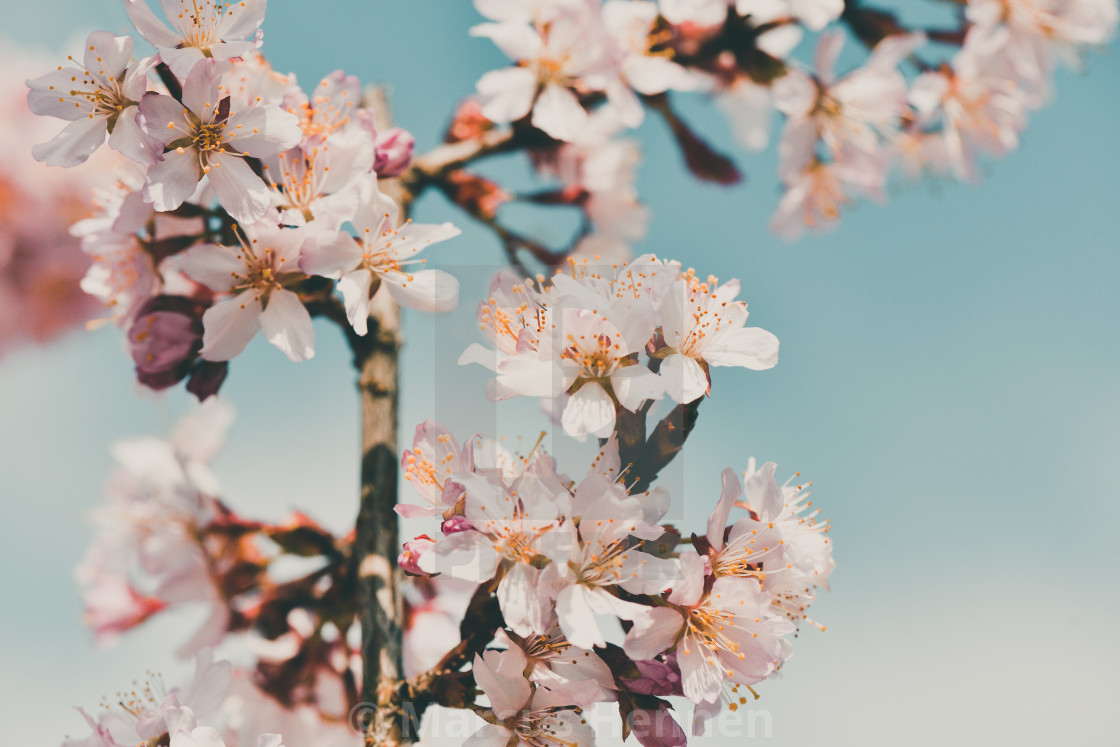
208,137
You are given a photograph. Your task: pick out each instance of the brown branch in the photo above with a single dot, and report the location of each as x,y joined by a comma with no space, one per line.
442,160
377,541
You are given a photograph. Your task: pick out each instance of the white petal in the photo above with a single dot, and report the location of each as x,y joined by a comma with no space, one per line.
149,26
355,295
507,94
163,118
331,255
700,680
528,378
172,179
129,139
589,410
558,113
653,633
201,89
633,385
229,325
650,75
688,588
465,555
181,60
426,290
517,41
242,19
577,618
521,605
240,191
263,131
212,265
685,381
286,323
749,347
77,141
717,522
106,55
508,694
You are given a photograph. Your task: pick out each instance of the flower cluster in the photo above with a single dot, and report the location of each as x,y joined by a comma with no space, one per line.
560,554
578,61
601,339
230,213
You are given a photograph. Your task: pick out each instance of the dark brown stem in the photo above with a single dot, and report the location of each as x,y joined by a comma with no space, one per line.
377,540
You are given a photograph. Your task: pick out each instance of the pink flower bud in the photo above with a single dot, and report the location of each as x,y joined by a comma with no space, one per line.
409,559
657,677
455,524
163,345
393,152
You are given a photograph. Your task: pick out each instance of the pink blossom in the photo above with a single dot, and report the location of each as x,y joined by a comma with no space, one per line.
562,54
409,559
978,111
1027,37
603,556
100,98
394,152
815,194
428,466
703,326
519,712
725,633
199,29
205,137
510,526
383,253
255,274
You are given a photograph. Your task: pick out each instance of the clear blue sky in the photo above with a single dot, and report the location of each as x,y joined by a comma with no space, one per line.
948,380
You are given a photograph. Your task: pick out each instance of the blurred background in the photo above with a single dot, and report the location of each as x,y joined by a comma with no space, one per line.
948,380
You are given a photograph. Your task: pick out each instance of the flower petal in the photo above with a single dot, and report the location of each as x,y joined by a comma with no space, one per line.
286,323
229,325
685,381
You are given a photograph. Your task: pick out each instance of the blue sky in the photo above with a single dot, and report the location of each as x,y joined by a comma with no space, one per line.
948,380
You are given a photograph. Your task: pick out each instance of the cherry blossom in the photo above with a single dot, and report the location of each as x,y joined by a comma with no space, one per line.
728,632
579,674
850,112
381,254
199,29
157,500
255,273
509,527
149,712
630,24
428,466
703,326
98,98
1027,37
817,191
979,111
561,54
205,136
604,556
521,714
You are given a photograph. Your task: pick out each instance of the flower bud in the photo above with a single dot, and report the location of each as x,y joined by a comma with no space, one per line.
409,559
393,152
164,344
